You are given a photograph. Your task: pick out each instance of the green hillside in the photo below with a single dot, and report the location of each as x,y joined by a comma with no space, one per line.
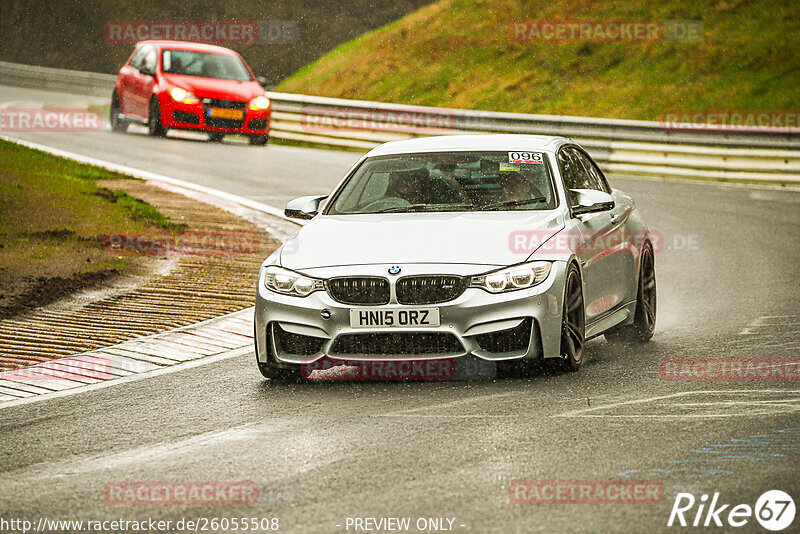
459,53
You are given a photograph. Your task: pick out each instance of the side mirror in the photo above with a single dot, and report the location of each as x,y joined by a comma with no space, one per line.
262,81
590,201
304,207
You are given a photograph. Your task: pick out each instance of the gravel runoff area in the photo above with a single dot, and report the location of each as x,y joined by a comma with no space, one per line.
211,269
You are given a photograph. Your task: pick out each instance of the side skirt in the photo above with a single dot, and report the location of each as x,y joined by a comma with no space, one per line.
622,314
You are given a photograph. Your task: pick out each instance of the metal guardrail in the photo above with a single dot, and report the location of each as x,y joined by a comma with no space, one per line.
568,126
66,81
701,161
620,146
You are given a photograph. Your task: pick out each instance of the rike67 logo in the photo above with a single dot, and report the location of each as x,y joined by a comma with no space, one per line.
774,510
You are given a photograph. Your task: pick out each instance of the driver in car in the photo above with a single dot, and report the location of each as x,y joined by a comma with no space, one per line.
418,187
413,186
515,186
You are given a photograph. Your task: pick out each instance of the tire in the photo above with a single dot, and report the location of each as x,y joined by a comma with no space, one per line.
573,324
278,374
117,122
216,137
271,372
154,126
259,140
644,319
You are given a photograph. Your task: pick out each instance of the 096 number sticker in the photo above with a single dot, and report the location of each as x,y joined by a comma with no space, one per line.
525,157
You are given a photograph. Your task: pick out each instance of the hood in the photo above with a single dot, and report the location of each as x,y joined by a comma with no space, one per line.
211,88
483,238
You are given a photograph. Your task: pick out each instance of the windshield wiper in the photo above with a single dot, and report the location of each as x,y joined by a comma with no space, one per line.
423,207
511,203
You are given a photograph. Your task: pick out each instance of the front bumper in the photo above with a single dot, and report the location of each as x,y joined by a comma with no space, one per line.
177,115
292,331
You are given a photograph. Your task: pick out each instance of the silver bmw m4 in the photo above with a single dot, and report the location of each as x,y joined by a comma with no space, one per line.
510,249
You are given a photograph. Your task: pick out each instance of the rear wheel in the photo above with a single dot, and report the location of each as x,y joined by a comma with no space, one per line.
115,117
259,140
644,319
573,323
154,126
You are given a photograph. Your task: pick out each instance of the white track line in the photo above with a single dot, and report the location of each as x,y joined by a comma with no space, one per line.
583,412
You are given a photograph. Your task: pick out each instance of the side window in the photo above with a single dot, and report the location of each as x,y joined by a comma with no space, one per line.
137,57
149,60
596,178
573,173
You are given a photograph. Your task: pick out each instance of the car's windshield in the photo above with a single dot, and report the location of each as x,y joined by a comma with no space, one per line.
205,65
447,181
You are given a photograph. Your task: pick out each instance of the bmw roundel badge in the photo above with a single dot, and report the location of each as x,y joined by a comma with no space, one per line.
394,269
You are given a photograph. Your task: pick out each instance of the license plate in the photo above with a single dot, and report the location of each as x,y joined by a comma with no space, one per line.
372,318
225,113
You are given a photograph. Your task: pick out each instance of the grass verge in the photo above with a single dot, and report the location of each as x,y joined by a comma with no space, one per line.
53,219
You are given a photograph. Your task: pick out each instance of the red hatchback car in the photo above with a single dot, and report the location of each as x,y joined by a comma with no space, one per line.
190,86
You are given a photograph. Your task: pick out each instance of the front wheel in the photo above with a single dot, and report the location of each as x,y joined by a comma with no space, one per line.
154,126
216,137
273,373
644,319
259,140
573,323
278,374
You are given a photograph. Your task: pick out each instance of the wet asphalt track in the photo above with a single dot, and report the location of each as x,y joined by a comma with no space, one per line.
320,453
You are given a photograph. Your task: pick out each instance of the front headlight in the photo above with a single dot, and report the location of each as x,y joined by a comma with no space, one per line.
259,103
288,282
512,278
183,96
